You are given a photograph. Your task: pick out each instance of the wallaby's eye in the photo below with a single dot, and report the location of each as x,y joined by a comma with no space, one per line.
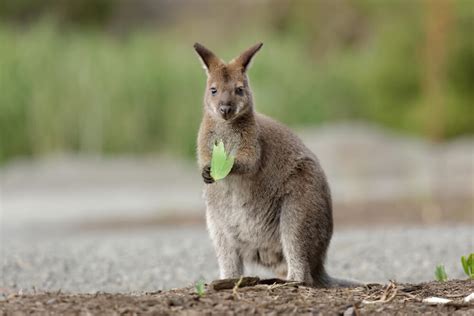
213,91
239,90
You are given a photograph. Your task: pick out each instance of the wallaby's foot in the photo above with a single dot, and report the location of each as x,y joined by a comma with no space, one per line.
281,271
300,276
206,174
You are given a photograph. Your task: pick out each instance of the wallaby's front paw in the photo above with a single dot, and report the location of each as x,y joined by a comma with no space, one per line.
206,174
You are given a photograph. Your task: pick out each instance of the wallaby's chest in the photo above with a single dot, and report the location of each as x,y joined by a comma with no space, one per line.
231,139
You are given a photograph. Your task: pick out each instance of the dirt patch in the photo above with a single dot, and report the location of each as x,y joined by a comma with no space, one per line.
272,298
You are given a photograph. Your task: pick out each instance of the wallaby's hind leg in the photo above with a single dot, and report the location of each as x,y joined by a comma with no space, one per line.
306,230
228,257
295,253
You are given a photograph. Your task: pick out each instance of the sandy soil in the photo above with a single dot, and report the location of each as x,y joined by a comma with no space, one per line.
264,298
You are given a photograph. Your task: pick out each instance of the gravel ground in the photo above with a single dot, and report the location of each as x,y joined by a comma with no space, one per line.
163,258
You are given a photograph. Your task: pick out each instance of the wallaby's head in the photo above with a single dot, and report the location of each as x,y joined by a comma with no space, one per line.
228,93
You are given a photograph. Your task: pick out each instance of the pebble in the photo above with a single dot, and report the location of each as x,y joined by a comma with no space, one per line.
469,298
436,300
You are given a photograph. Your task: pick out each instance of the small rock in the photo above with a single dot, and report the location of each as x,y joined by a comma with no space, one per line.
349,312
436,300
469,298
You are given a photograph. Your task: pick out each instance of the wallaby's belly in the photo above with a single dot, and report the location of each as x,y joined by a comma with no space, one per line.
248,218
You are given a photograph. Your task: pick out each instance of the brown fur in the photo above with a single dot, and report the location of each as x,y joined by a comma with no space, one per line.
274,208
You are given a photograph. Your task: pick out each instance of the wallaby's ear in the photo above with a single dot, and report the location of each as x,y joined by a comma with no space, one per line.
245,58
209,60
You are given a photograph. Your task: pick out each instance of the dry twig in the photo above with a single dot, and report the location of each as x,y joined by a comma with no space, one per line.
390,291
236,288
279,285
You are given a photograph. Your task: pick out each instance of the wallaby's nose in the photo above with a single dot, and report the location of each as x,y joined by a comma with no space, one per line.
225,109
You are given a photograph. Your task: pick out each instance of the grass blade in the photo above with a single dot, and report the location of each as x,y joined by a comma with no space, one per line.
440,273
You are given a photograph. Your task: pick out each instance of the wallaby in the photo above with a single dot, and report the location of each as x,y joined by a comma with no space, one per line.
274,208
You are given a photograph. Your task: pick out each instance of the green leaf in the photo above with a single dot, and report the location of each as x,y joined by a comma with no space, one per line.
221,163
440,273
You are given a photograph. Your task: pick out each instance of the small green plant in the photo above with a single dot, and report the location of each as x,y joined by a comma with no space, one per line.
221,162
200,288
440,273
468,265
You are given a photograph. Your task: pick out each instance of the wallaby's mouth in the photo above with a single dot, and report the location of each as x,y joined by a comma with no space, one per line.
227,116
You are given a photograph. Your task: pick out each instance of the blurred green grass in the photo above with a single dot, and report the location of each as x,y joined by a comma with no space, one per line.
87,91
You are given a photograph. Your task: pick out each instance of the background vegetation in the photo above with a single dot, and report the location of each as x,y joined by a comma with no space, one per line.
102,76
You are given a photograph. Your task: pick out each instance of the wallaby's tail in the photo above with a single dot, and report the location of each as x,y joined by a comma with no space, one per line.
334,282
323,279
